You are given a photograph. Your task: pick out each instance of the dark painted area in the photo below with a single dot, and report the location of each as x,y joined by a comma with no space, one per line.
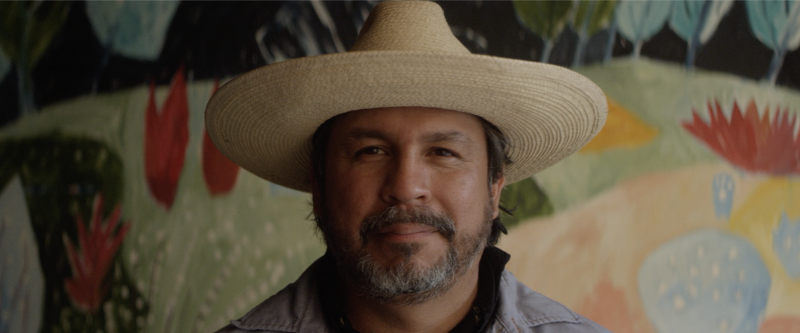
218,39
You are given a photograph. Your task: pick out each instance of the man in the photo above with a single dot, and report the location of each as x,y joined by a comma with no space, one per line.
405,143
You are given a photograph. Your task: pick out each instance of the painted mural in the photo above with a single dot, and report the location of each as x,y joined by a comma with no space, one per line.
117,213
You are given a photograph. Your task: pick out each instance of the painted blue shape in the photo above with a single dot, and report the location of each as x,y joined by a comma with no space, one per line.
695,22
21,278
786,244
135,29
705,281
640,20
775,23
723,187
688,17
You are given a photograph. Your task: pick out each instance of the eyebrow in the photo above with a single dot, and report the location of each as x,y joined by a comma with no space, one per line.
361,133
435,137
453,136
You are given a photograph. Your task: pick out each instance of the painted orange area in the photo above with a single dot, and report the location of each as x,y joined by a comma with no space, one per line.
780,324
757,218
623,129
606,306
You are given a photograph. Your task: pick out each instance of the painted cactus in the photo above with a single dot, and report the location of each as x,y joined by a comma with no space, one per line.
786,244
90,263
706,281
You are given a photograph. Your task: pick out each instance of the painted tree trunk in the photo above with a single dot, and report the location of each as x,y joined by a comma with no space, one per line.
612,36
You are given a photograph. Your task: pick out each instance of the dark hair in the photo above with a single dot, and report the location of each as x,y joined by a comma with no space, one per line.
496,149
497,152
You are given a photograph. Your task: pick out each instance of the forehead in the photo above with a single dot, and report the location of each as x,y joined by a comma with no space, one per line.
408,120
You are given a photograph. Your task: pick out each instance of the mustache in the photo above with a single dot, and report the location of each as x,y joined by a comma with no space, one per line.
394,215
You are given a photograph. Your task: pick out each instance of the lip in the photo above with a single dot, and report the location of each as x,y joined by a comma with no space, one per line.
405,232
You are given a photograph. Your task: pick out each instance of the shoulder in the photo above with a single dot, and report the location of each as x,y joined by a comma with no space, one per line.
524,310
296,308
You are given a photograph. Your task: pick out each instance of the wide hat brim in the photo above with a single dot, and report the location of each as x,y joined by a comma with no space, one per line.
264,119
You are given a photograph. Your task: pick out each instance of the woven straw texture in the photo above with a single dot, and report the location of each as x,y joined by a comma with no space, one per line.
405,56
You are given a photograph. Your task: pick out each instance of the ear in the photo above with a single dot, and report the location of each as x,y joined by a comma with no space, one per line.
496,189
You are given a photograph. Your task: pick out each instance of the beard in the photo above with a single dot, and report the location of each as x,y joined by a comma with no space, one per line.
406,282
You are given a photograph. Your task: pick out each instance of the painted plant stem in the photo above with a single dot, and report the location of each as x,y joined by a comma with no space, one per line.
548,48
580,49
612,36
25,86
694,43
775,65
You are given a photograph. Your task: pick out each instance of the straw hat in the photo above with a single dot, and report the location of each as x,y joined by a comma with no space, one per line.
405,55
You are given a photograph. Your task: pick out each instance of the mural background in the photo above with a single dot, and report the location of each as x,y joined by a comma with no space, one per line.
118,215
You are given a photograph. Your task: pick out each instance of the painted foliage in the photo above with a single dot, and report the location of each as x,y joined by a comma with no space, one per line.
117,213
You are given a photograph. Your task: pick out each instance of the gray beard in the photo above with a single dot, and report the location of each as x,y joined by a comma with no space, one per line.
406,283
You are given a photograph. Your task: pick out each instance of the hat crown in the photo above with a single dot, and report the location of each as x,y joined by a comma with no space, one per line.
407,26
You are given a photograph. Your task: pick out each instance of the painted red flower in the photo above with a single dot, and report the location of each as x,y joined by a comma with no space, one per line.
91,262
218,171
750,142
165,140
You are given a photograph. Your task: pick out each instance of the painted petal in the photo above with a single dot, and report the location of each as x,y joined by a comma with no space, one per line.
743,139
166,137
92,262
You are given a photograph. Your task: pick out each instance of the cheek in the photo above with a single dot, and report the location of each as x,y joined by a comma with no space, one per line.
465,198
347,196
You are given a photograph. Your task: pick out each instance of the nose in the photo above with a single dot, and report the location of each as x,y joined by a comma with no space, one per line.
407,183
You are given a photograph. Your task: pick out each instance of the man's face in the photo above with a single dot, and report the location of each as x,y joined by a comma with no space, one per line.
407,201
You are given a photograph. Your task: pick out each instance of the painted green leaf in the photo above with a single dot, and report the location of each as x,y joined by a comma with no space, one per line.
526,199
32,24
46,20
598,12
12,16
544,18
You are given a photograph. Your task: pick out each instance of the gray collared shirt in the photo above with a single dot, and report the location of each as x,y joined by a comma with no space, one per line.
297,308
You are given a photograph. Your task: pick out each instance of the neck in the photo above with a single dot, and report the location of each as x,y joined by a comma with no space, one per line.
439,314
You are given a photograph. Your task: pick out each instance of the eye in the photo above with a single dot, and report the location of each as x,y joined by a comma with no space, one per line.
371,150
443,152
